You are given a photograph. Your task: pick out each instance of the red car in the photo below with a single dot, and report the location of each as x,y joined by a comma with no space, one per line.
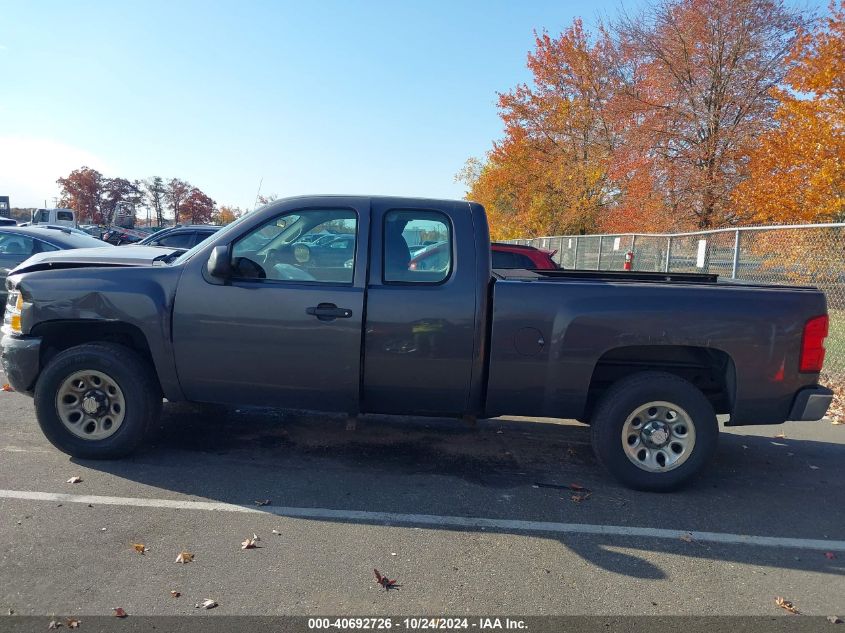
434,257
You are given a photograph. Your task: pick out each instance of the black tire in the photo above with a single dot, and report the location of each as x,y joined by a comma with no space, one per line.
622,399
132,374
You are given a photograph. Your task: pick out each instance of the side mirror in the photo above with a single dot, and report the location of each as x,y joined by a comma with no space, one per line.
219,263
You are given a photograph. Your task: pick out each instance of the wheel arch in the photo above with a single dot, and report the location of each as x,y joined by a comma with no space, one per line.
59,335
710,369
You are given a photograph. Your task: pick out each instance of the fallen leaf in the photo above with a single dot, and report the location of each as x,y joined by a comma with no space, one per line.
384,581
248,544
74,480
11,611
208,603
578,497
119,612
780,436
174,593
687,537
576,487
72,623
834,619
255,537
54,625
139,547
266,502
783,603
184,557
7,387
277,533
829,555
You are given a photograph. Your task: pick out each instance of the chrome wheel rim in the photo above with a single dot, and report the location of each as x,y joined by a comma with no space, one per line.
91,405
658,437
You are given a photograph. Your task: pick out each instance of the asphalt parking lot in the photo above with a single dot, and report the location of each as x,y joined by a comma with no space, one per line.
467,520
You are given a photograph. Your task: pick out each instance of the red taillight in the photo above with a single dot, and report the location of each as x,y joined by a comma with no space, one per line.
812,346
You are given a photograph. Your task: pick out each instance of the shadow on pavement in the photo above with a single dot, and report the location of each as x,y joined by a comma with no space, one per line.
758,485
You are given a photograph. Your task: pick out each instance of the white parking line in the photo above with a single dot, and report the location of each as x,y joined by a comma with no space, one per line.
435,521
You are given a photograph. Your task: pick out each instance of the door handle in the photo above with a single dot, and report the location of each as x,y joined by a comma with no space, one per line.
328,312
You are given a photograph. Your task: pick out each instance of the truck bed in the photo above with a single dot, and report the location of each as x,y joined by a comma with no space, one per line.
615,276
609,275
549,337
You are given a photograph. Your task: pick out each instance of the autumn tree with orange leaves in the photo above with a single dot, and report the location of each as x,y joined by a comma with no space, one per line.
796,171
649,123
549,173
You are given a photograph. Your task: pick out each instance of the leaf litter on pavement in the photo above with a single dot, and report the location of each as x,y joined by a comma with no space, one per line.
785,604
386,583
184,557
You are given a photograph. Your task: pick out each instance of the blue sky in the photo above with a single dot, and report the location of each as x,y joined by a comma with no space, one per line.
313,97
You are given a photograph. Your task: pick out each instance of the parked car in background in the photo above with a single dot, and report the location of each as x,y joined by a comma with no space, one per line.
92,230
20,243
436,257
8,222
66,228
519,256
185,236
120,237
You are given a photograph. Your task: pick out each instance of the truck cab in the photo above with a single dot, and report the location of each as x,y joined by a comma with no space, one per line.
271,300
55,217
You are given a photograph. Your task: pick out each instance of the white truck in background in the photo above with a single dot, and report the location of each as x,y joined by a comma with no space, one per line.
54,217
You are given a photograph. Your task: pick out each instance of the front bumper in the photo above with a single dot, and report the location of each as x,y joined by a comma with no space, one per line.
810,403
21,358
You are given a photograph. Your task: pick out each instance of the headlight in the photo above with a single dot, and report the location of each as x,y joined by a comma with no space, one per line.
12,318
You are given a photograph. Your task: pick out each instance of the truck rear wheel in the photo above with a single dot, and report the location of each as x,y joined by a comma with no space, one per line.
654,431
96,401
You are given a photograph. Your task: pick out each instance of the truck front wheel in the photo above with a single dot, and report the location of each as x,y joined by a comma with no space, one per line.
654,431
96,401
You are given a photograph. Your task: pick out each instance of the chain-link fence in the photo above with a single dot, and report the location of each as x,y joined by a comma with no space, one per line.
809,254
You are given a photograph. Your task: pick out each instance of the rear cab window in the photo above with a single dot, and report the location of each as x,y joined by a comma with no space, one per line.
417,247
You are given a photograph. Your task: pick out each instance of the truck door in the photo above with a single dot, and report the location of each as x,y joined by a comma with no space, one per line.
285,329
421,308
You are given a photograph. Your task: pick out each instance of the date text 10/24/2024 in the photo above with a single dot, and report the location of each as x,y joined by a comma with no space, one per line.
417,624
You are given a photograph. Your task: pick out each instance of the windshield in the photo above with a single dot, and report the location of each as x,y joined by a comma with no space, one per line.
69,239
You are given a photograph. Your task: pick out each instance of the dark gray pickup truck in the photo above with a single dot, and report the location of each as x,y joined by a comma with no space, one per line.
313,303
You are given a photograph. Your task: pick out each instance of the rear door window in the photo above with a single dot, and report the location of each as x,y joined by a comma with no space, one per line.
502,259
177,240
12,244
403,227
522,261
